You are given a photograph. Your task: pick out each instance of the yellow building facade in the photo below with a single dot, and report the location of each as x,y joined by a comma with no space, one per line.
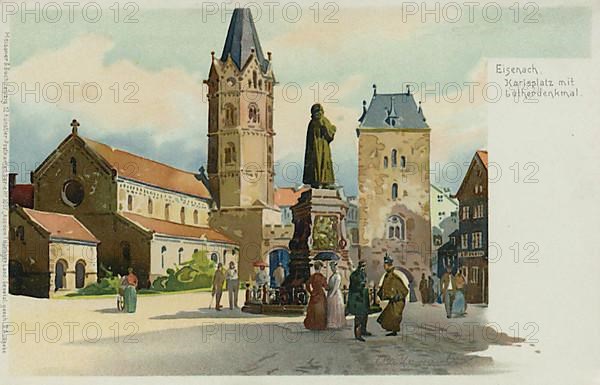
393,177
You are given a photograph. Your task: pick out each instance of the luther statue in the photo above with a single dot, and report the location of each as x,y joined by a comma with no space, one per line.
318,167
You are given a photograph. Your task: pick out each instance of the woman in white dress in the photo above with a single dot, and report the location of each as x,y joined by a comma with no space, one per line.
336,317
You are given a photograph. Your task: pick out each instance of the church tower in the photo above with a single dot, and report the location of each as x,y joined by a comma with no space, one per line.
240,124
240,144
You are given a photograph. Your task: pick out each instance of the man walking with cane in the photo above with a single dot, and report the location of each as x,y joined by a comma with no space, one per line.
217,286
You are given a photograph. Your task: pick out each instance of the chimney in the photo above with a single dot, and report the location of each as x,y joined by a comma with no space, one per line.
12,181
364,111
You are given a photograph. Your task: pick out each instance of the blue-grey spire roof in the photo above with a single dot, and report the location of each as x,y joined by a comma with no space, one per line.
242,38
393,111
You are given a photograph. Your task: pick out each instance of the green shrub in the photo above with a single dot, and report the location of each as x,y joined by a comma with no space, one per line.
109,284
196,273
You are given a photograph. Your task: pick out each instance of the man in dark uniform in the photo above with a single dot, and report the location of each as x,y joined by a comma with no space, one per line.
358,301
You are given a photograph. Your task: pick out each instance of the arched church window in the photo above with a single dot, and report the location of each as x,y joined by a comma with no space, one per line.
74,166
394,158
182,215
195,217
163,253
395,225
167,209
150,206
254,78
126,253
230,155
21,233
403,161
229,115
385,162
253,113
129,203
394,191
180,255
260,85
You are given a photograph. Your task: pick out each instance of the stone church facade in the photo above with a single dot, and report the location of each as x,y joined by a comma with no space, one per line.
147,215
393,182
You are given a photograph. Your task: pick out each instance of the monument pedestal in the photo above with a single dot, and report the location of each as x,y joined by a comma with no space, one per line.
319,232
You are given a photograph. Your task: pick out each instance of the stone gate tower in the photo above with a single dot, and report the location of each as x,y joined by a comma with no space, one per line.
393,185
240,142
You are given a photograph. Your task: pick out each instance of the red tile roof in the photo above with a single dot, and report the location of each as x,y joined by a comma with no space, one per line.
483,155
148,171
61,225
176,229
287,196
22,195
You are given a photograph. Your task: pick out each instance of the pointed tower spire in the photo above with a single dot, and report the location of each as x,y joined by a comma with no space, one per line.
242,40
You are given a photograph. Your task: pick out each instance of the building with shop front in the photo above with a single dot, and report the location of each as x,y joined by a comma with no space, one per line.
472,239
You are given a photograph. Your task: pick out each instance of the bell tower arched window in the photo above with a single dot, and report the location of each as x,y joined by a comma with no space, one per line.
230,120
403,161
394,191
253,113
230,155
385,162
395,226
394,158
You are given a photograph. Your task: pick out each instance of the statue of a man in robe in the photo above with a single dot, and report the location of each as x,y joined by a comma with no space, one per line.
318,167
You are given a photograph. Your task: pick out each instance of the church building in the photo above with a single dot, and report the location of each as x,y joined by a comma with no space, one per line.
393,185
147,215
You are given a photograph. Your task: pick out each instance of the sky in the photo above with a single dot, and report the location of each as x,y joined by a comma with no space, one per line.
153,101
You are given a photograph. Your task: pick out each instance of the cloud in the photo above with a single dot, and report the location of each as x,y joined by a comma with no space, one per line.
344,26
164,104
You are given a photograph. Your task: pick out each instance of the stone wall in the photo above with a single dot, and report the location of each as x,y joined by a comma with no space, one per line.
70,254
151,202
401,189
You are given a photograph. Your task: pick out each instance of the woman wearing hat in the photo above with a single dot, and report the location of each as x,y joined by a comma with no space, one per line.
316,312
336,318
